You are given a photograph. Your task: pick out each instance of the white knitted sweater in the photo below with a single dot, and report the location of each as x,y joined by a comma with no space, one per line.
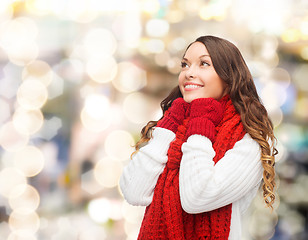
203,186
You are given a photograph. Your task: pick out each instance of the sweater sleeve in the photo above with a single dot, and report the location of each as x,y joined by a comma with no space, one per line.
140,176
205,186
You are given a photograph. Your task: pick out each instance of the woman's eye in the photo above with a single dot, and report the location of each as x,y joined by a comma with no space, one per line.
184,64
205,64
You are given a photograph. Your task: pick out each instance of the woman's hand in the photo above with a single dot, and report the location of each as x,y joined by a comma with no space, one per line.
174,115
205,115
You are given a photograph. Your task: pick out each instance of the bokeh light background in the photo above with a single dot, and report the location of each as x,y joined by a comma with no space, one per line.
80,78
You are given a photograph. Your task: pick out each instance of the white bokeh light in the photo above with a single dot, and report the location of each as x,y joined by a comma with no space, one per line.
102,69
95,115
107,172
9,179
129,78
28,121
24,199
99,210
30,160
135,108
119,145
99,42
11,139
32,94
157,27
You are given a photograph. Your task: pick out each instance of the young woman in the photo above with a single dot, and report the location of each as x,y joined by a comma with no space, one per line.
206,157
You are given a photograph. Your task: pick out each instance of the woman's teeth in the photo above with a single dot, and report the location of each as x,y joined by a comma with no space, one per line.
192,86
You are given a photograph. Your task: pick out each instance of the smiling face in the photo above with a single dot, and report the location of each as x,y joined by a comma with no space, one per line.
198,78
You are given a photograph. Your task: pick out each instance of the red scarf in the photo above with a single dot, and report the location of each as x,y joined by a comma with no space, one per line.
164,218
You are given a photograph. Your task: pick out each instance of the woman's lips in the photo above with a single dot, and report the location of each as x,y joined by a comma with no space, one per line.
192,87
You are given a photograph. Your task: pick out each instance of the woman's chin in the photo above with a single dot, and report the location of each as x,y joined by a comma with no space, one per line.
188,99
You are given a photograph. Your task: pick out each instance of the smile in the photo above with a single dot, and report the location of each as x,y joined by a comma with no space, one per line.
192,86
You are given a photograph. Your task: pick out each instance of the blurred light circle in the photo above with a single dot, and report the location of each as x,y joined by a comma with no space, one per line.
132,214
97,106
107,172
94,124
6,11
135,108
291,135
26,223
100,42
130,78
132,31
262,224
116,211
155,46
291,35
150,6
119,145
96,114
265,45
28,121
204,13
276,116
175,15
157,27
99,210
24,199
304,27
9,179
10,139
81,11
131,230
56,87
103,209
32,94
18,40
304,53
21,235
30,160
24,53
273,95
178,44
17,31
38,70
37,7
282,76
102,69
212,11
5,111
93,232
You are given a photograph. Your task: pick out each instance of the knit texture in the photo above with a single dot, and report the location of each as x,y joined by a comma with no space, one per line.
164,218
175,116
205,115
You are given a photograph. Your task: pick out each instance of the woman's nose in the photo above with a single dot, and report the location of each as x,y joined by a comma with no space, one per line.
191,72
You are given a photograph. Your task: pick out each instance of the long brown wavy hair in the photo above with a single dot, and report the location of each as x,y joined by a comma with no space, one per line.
232,69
